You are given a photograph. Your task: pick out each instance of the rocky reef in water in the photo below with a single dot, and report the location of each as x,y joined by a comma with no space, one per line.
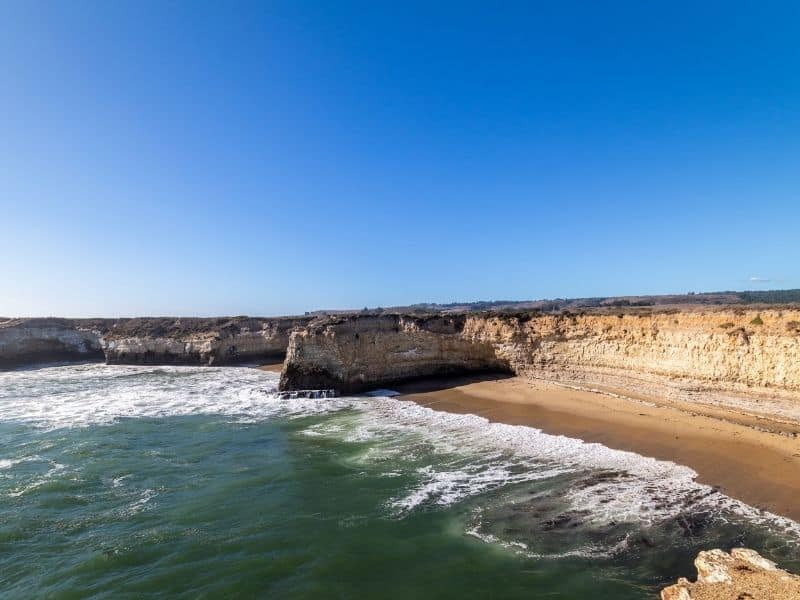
178,341
741,575
712,355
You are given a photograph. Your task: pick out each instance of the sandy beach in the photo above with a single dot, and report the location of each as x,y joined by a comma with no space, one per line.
754,460
272,367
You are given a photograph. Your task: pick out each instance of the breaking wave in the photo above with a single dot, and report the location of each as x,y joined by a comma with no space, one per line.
520,473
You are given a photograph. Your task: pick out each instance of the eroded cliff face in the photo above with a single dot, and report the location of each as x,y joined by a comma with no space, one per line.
31,341
193,341
684,353
360,352
198,341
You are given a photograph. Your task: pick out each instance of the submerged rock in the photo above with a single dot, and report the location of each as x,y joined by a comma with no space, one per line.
741,575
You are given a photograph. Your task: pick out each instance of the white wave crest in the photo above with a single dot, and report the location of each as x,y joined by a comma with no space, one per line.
78,396
470,455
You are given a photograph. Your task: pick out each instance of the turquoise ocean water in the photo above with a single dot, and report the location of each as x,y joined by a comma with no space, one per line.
159,482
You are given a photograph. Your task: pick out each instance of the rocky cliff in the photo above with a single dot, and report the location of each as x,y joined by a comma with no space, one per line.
358,352
741,575
707,354
192,341
198,341
30,341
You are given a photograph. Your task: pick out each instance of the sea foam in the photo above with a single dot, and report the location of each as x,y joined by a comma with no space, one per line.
79,396
449,457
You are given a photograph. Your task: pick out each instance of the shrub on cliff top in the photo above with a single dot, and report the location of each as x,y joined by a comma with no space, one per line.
757,321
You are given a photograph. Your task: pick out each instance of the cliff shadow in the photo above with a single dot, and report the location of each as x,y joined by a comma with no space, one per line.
424,385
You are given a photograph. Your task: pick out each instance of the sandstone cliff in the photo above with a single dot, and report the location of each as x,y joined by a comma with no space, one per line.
741,575
708,355
30,341
198,341
192,341
358,352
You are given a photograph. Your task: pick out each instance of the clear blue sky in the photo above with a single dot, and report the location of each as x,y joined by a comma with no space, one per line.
268,158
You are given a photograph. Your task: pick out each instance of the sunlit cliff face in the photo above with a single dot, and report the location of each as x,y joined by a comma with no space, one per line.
721,350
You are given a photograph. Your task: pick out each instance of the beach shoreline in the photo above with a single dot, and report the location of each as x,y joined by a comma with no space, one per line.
749,458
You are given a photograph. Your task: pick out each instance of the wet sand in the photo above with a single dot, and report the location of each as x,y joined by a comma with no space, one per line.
726,449
272,367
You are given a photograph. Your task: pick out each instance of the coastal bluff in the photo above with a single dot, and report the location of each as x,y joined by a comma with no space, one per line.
359,352
733,357
25,342
145,341
712,355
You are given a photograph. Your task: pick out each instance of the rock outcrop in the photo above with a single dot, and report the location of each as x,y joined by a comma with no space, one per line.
192,341
713,353
355,353
198,341
31,341
741,575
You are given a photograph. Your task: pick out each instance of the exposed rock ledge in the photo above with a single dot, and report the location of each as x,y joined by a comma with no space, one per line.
717,356
741,575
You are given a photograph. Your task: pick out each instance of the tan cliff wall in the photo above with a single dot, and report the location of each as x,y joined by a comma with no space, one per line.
683,352
736,347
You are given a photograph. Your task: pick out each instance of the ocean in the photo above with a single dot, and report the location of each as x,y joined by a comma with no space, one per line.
183,482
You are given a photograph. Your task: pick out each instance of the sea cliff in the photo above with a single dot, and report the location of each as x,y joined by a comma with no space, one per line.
363,351
710,355
31,341
198,341
729,356
186,341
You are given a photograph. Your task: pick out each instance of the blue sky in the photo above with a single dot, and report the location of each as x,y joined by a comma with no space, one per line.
271,158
